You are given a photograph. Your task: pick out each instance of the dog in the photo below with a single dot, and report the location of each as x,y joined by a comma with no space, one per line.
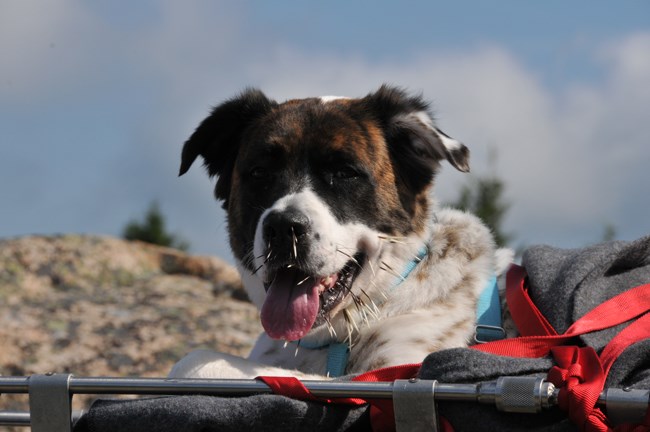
336,235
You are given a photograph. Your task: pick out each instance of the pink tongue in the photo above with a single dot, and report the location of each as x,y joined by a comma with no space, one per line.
290,310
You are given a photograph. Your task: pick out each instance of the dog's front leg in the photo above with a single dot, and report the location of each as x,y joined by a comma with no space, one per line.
210,364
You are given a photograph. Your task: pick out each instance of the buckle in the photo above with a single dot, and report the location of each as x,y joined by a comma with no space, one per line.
487,333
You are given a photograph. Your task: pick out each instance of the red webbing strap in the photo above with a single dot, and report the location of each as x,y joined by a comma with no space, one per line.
622,308
528,319
580,375
292,387
635,332
579,372
382,417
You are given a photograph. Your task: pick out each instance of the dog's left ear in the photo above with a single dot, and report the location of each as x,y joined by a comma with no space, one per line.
413,139
218,137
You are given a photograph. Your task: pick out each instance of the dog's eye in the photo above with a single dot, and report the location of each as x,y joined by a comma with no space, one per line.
341,174
259,173
345,173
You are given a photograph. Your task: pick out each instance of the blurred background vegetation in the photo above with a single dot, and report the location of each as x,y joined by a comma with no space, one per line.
153,229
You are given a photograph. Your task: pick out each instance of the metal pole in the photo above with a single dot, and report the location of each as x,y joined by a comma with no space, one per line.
14,418
510,394
482,392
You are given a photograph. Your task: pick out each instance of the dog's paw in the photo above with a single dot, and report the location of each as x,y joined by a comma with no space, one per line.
210,364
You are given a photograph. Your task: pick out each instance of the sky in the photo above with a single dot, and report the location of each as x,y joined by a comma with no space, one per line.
97,98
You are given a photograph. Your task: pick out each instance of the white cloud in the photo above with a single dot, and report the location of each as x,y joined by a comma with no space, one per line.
569,157
572,158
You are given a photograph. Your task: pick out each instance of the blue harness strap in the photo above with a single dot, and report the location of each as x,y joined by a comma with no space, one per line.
337,356
337,359
488,312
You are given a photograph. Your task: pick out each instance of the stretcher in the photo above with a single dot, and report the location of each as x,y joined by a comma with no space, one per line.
414,400
582,362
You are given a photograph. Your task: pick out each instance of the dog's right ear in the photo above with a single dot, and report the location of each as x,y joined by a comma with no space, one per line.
217,138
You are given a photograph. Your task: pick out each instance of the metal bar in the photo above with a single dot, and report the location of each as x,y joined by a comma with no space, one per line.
14,384
14,418
502,391
164,386
626,405
224,387
482,392
23,418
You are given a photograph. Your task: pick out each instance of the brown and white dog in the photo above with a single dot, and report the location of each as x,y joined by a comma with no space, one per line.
335,233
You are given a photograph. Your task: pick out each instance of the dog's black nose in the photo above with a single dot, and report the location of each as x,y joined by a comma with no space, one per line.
284,231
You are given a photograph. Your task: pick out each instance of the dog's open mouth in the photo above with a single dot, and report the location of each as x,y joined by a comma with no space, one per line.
296,302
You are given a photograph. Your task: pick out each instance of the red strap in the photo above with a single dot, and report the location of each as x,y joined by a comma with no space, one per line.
528,319
579,372
580,377
531,322
292,387
622,308
382,416
635,332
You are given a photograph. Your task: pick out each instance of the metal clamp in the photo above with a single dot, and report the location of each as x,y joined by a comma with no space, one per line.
415,406
525,394
50,403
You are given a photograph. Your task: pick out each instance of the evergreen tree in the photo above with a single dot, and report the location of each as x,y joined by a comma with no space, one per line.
483,196
609,232
152,230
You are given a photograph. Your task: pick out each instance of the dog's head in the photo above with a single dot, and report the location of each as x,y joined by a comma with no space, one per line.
311,187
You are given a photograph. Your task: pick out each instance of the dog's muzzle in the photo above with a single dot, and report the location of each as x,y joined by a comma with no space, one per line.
287,235
298,294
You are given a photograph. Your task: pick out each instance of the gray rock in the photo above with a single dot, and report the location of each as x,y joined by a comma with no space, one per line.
101,306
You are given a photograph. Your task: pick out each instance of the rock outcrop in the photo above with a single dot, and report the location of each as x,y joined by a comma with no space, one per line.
100,306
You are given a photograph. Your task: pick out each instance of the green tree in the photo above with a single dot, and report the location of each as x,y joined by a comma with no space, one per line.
152,229
609,232
483,196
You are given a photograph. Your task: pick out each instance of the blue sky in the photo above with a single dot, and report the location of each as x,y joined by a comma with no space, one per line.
96,99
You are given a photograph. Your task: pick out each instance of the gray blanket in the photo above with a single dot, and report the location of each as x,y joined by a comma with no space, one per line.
565,284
